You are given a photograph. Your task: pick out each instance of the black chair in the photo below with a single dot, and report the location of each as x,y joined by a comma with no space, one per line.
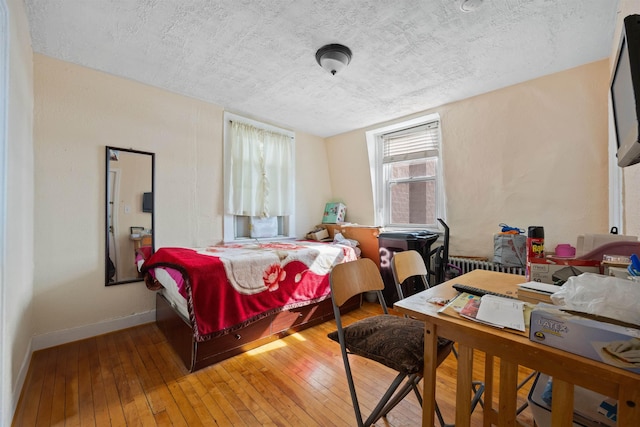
394,341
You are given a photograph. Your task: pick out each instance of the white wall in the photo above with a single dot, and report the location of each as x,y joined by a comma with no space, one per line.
18,275
530,154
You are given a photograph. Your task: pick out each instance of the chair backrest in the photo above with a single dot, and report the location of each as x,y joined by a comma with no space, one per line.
353,278
408,264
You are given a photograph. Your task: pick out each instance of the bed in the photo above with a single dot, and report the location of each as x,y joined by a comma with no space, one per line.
213,303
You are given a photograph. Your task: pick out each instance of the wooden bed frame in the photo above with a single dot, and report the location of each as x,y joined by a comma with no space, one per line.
197,355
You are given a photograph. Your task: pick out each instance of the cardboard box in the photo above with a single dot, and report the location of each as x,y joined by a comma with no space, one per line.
544,269
584,335
318,235
619,272
590,409
334,213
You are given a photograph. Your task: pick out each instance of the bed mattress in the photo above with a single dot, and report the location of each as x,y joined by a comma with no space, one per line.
223,288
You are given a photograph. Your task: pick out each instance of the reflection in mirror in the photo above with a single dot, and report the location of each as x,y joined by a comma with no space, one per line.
129,213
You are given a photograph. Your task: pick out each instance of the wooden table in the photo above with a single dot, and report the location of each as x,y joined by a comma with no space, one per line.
567,369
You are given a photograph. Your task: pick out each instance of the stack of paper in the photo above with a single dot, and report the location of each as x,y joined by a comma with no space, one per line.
505,312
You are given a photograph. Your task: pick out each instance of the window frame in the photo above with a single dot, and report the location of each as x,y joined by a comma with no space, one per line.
379,182
5,407
233,223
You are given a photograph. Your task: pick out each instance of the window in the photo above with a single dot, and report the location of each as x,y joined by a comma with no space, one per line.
259,177
406,173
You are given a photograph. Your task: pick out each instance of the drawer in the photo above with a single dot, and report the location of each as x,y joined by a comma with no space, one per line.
299,316
235,339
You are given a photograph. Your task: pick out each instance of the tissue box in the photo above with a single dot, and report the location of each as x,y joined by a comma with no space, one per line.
581,335
334,213
318,235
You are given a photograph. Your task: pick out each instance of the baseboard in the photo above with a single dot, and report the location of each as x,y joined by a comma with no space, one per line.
51,339
22,375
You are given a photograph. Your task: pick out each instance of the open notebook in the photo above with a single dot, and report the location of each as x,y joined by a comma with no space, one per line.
491,310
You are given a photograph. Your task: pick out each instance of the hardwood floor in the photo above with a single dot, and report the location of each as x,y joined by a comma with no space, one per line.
132,377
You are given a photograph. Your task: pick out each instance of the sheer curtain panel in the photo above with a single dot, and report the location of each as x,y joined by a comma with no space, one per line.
260,172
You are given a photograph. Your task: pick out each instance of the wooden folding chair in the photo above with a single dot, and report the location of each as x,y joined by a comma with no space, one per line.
408,265
394,341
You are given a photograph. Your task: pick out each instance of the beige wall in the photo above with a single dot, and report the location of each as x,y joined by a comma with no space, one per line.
78,112
313,183
17,279
530,154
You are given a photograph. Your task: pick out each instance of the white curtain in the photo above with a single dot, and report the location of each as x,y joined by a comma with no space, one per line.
260,178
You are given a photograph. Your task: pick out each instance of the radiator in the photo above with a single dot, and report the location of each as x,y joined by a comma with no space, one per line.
468,264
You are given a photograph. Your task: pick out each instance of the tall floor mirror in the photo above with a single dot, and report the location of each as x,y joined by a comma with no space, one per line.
129,213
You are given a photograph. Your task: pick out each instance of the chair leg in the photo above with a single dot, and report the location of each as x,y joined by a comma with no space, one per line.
438,412
409,385
478,390
522,384
390,399
384,400
441,418
412,384
352,387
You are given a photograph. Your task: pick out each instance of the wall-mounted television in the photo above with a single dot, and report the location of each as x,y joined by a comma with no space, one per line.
625,93
147,202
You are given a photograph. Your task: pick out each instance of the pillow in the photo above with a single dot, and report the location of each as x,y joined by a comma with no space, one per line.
394,341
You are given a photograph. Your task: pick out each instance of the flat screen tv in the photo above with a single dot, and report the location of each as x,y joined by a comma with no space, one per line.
625,93
147,202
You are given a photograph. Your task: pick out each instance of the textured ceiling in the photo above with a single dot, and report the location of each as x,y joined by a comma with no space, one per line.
257,57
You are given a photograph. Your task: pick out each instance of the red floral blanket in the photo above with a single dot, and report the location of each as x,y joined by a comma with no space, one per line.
230,286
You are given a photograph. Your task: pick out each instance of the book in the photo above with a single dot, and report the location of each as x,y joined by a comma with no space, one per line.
498,312
539,287
535,292
457,304
471,308
534,297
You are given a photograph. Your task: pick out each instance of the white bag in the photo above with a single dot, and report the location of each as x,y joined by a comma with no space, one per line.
263,227
510,250
606,296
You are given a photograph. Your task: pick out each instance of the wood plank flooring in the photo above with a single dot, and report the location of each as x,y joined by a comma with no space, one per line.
132,377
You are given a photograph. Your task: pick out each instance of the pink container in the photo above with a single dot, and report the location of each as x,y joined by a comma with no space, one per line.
565,250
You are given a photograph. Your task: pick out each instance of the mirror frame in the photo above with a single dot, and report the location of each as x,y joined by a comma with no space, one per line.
106,210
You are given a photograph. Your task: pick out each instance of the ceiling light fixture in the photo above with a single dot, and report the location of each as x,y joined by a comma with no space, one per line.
470,5
333,57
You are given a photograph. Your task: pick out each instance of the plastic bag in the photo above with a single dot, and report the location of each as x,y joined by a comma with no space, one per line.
340,239
510,250
606,296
